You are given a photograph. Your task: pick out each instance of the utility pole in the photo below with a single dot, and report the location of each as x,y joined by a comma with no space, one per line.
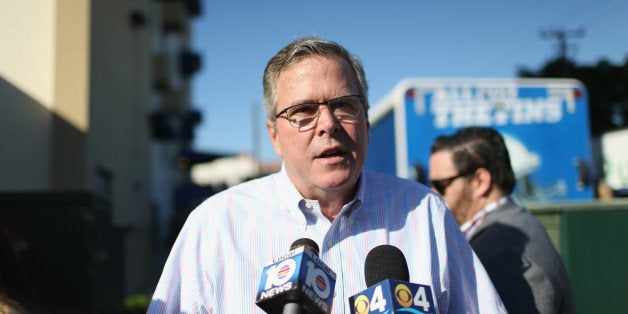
561,35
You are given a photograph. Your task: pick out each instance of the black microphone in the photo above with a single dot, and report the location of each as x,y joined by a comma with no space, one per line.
308,243
385,262
388,290
297,282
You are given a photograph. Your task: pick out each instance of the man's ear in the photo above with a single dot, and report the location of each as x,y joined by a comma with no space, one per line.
483,182
271,127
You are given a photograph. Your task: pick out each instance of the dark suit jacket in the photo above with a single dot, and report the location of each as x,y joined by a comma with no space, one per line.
522,262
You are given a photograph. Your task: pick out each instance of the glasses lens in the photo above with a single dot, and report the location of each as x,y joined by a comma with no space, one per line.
346,106
439,186
302,115
442,184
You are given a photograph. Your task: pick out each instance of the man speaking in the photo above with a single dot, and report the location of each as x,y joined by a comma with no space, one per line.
316,102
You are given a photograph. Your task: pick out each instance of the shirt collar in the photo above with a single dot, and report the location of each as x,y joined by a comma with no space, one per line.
468,228
290,195
292,198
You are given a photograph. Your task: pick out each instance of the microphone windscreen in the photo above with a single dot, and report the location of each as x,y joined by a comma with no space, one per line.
385,262
308,243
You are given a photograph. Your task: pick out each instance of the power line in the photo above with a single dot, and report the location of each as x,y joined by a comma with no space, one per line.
604,14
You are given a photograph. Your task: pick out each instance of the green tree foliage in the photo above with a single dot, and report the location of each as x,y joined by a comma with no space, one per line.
606,83
136,304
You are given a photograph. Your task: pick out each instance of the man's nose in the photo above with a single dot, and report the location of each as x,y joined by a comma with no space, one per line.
326,119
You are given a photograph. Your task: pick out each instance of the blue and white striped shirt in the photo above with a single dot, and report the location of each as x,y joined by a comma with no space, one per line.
216,263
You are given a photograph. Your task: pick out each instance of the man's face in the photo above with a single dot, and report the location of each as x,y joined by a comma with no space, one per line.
327,156
456,192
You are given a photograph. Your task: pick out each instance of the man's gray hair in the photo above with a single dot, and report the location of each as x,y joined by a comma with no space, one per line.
299,50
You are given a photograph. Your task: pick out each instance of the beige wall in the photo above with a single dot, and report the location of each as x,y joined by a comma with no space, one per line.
27,35
71,103
44,79
74,101
24,140
26,93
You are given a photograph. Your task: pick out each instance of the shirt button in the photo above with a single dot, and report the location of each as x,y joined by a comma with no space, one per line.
329,243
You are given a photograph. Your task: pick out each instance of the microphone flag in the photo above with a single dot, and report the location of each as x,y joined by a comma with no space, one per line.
393,296
298,276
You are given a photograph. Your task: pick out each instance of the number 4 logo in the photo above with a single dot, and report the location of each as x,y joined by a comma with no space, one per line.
378,302
421,300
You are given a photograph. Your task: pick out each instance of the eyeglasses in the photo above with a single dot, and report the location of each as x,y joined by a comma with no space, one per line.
305,114
442,184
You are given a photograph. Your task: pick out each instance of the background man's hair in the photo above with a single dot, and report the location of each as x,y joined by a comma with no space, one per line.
479,147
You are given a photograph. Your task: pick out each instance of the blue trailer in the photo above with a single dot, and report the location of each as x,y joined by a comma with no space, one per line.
544,122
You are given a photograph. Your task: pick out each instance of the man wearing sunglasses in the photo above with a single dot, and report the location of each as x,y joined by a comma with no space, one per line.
471,170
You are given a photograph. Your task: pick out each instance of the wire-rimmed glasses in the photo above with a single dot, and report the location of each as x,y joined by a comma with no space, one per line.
305,114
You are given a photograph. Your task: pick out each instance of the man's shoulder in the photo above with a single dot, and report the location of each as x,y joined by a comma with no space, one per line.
519,217
510,213
501,228
258,191
512,228
250,186
384,180
399,193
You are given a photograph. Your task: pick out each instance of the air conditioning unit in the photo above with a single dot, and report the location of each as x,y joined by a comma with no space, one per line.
161,73
190,63
174,101
194,7
174,15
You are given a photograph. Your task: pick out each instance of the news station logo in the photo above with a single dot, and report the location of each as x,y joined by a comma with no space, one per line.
278,277
297,275
393,296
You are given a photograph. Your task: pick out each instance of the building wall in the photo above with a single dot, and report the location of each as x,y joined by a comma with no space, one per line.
27,35
76,93
70,124
44,83
119,140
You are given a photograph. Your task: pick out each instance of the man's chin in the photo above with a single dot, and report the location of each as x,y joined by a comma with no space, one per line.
337,179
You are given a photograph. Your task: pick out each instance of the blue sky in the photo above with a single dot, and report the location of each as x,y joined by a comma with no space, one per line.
394,39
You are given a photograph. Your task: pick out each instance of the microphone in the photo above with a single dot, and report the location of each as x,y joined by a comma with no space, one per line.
388,290
297,282
308,243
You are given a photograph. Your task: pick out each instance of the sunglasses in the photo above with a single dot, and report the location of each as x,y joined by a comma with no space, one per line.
442,184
